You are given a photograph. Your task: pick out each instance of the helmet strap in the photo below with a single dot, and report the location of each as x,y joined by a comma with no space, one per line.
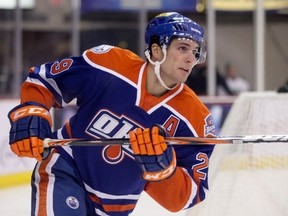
157,65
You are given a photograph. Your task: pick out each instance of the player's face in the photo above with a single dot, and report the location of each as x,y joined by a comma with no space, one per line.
181,57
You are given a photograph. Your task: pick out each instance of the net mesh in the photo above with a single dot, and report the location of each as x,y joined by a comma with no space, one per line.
250,179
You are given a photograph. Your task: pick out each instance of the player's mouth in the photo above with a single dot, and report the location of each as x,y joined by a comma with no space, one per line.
185,69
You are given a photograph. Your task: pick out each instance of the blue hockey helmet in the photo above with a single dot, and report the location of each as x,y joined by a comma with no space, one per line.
166,26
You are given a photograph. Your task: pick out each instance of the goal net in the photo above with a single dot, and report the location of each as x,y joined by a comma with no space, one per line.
250,179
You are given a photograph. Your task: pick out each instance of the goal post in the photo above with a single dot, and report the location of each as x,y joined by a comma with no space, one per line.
257,113
250,179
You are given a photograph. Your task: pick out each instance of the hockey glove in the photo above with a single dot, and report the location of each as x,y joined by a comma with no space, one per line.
156,159
30,124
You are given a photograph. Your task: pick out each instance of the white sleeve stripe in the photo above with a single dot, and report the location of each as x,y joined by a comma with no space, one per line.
99,212
36,182
68,149
111,196
49,80
35,81
193,191
50,187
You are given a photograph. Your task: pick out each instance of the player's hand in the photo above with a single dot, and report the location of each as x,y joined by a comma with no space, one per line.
30,125
156,159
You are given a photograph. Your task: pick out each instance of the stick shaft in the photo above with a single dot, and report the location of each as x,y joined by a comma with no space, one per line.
172,140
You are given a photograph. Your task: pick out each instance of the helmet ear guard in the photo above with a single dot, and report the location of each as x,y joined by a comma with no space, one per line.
201,54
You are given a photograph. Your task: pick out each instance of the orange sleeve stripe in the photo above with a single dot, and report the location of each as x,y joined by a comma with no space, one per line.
112,208
95,199
168,193
68,129
119,208
37,93
43,185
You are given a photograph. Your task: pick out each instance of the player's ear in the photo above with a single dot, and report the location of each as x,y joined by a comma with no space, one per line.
156,52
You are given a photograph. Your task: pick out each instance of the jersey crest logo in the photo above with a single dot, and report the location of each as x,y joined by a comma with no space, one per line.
113,154
109,125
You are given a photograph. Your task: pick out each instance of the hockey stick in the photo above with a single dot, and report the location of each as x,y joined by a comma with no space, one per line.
172,140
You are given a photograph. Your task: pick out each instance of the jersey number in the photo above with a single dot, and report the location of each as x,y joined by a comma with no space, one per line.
59,67
203,164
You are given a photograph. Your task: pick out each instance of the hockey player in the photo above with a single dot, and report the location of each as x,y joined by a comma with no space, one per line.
118,95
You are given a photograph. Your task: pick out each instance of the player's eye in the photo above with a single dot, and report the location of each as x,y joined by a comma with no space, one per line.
196,53
183,49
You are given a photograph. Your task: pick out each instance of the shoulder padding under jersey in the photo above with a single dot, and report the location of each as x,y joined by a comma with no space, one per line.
119,60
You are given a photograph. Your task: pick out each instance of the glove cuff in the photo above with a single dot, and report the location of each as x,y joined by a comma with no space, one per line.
158,176
29,109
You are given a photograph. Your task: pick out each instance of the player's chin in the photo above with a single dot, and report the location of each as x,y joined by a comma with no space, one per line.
180,81
184,74
183,78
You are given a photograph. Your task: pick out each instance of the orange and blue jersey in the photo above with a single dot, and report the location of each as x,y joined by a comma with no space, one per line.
108,84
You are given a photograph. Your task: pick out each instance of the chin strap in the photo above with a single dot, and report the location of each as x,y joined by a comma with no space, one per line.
157,65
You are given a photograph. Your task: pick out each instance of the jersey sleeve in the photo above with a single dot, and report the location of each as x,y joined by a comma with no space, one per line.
58,83
187,187
37,93
81,77
189,184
